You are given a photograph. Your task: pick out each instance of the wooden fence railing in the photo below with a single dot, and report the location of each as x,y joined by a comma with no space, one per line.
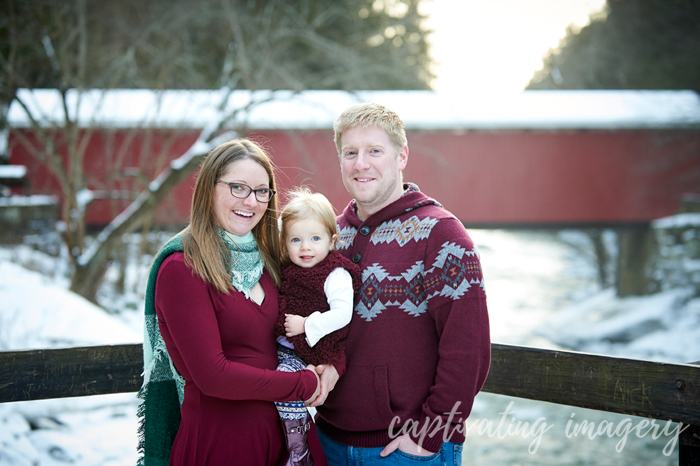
628,386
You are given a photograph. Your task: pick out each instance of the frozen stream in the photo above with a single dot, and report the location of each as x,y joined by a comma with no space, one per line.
531,277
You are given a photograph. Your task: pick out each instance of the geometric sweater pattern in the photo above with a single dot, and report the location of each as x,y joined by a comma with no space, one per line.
451,274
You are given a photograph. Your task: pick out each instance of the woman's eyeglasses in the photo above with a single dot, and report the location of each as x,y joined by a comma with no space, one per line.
242,191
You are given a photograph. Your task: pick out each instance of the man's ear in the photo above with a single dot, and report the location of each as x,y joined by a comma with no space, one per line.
402,157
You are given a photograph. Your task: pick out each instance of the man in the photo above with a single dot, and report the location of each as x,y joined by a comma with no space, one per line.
418,348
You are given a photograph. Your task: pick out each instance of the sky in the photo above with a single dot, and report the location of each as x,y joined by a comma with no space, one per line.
497,45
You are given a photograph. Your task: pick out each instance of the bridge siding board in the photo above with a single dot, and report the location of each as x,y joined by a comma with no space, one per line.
626,386
517,177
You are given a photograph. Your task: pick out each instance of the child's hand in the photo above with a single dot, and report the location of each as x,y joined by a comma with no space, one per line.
294,325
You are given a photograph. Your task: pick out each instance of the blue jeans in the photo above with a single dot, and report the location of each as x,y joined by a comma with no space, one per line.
337,454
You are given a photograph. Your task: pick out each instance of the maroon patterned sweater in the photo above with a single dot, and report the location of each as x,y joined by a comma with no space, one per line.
302,294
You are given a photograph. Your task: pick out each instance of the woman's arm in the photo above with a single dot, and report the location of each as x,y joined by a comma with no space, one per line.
188,323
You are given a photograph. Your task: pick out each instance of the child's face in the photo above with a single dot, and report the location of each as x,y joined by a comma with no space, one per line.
308,242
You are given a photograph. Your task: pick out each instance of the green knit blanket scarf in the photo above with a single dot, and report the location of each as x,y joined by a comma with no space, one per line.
163,388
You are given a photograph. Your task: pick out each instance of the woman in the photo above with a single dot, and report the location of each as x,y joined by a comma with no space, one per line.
211,307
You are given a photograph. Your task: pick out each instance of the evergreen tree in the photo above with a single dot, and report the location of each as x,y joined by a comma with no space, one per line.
633,44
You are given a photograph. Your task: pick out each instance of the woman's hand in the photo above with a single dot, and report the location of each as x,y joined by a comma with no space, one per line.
294,325
318,385
329,377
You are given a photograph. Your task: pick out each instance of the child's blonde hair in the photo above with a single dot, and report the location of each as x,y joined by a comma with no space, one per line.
304,204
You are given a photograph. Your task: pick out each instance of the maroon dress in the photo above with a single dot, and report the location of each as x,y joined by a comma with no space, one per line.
224,347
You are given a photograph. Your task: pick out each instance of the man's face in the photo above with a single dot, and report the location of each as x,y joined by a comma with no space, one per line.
371,168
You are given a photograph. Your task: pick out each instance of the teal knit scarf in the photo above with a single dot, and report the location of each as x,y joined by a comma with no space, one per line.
163,388
246,264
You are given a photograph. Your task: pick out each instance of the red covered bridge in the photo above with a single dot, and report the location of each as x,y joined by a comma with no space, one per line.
563,158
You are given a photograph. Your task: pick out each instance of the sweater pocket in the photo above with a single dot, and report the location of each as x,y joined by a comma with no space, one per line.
360,402
382,397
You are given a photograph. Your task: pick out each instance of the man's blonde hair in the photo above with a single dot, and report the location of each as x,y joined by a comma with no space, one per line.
303,204
371,114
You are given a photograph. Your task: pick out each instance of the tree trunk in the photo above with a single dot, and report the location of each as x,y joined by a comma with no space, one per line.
87,278
90,268
601,254
122,252
635,262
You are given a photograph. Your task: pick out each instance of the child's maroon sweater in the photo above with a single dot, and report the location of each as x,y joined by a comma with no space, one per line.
301,293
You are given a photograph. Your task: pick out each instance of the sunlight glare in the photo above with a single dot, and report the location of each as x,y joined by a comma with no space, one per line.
497,45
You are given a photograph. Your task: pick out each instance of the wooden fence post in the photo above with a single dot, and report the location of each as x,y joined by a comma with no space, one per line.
689,447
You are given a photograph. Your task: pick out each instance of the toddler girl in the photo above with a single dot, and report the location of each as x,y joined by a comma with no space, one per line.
316,302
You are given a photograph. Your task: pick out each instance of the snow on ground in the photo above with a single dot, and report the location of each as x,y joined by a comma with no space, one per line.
541,292
37,311
92,431
661,327
39,314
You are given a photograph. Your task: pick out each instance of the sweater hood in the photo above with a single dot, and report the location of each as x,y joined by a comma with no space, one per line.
411,199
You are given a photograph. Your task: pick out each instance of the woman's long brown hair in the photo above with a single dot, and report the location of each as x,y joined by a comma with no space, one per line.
205,252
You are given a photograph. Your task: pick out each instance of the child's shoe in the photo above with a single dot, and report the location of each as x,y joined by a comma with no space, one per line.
295,432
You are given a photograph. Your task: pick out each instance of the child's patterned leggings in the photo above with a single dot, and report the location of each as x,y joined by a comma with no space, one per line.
290,362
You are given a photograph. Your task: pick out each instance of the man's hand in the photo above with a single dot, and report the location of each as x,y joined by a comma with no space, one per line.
294,325
329,377
406,445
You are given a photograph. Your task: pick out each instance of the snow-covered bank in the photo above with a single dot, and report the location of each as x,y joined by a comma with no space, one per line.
661,327
98,430
37,311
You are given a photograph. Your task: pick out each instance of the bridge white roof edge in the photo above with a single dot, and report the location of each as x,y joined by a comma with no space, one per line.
314,110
